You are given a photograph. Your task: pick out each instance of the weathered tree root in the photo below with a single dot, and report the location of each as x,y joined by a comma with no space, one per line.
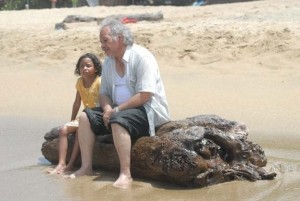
194,152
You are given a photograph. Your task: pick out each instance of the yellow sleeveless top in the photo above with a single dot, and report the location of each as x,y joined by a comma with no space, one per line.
89,96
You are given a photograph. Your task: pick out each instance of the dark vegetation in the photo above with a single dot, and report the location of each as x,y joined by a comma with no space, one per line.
38,4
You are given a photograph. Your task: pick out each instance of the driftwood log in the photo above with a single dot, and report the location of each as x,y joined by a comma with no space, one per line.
141,17
134,18
194,152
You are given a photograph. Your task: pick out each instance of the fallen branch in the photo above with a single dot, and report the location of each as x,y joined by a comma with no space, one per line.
124,18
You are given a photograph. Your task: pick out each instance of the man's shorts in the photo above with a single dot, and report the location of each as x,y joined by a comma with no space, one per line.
134,120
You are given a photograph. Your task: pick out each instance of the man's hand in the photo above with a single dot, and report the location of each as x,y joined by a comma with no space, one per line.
106,116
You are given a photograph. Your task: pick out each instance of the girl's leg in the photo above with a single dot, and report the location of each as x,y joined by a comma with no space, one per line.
63,148
74,155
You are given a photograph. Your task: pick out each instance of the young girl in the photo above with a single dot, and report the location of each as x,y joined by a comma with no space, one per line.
89,69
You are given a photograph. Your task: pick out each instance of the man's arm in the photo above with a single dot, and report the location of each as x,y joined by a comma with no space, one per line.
137,100
105,103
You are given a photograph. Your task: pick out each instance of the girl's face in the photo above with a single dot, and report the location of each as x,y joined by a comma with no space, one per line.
87,68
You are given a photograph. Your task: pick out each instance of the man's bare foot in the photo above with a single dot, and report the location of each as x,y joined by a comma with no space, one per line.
69,168
123,182
79,173
58,169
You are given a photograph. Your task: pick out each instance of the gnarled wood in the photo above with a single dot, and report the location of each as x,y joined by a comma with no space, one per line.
194,152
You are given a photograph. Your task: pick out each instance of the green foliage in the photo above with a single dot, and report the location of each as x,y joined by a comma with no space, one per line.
13,4
34,4
75,3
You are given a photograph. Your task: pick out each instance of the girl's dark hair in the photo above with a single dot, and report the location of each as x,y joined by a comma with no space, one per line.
95,60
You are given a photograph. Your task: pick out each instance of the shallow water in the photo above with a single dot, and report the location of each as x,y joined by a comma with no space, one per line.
23,175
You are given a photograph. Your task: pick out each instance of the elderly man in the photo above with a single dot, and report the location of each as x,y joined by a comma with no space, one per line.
132,99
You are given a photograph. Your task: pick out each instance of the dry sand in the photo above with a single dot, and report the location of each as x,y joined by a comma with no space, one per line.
240,61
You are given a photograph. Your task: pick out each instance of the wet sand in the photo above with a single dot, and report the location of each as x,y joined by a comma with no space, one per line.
239,61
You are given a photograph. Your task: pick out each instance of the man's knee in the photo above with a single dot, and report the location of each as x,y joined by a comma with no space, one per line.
83,118
115,126
118,127
63,131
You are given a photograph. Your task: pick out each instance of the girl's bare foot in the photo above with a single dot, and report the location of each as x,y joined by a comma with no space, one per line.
123,182
58,169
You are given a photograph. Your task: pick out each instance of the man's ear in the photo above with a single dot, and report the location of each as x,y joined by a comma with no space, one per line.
121,38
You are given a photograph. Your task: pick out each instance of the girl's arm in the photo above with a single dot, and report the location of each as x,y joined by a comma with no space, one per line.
76,106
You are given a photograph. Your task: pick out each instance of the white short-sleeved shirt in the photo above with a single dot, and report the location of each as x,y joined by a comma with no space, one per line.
142,76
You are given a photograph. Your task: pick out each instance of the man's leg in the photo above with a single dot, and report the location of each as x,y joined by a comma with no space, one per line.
86,142
122,143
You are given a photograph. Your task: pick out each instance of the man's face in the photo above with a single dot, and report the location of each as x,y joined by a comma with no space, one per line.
108,44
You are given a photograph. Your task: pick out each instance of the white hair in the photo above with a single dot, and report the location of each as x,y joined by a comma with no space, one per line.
117,29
